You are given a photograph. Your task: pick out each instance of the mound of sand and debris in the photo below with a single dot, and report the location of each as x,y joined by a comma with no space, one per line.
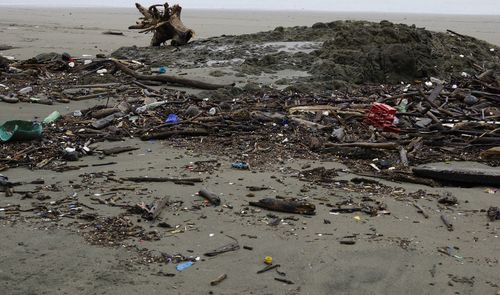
345,52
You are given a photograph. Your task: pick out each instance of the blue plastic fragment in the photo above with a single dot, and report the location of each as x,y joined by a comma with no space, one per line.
172,119
240,165
162,70
184,265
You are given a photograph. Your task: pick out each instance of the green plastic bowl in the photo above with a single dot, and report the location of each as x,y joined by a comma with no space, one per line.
18,130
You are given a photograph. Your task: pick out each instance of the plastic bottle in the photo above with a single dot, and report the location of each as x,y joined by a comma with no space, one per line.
26,90
54,116
241,165
184,265
403,106
150,106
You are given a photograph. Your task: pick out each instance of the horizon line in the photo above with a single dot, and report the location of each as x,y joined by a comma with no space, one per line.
253,9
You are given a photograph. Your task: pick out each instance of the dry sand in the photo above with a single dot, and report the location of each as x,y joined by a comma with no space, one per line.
79,30
394,254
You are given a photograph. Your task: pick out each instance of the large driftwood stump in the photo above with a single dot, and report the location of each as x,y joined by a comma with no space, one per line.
166,24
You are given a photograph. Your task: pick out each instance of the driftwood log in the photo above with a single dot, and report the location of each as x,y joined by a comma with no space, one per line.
166,24
211,197
167,78
287,206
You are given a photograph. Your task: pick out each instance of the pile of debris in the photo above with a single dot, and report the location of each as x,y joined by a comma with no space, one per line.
335,55
400,125
449,110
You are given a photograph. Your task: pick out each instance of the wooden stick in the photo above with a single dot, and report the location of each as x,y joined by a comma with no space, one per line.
218,280
403,155
434,94
114,33
103,85
288,282
157,208
170,133
268,268
226,248
119,150
104,112
161,179
421,210
408,94
433,118
144,86
307,124
90,96
455,33
370,145
168,79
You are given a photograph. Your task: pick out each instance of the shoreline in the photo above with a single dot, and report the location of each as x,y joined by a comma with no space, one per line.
36,6
259,10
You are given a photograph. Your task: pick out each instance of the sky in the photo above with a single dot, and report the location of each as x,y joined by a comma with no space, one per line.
410,6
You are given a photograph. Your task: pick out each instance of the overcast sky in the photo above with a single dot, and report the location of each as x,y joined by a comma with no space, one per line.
415,6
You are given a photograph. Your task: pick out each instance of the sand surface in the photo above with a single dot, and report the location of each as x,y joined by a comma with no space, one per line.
79,30
393,254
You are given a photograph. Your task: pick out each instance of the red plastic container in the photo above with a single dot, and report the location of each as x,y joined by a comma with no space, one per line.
381,116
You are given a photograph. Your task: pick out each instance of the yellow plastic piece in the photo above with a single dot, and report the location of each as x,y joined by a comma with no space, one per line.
268,260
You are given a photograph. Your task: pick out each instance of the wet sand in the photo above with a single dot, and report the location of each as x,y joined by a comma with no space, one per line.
79,30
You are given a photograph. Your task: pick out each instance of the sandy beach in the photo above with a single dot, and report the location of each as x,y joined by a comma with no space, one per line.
50,232
395,254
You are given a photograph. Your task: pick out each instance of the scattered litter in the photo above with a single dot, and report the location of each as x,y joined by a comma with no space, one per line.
268,260
184,265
